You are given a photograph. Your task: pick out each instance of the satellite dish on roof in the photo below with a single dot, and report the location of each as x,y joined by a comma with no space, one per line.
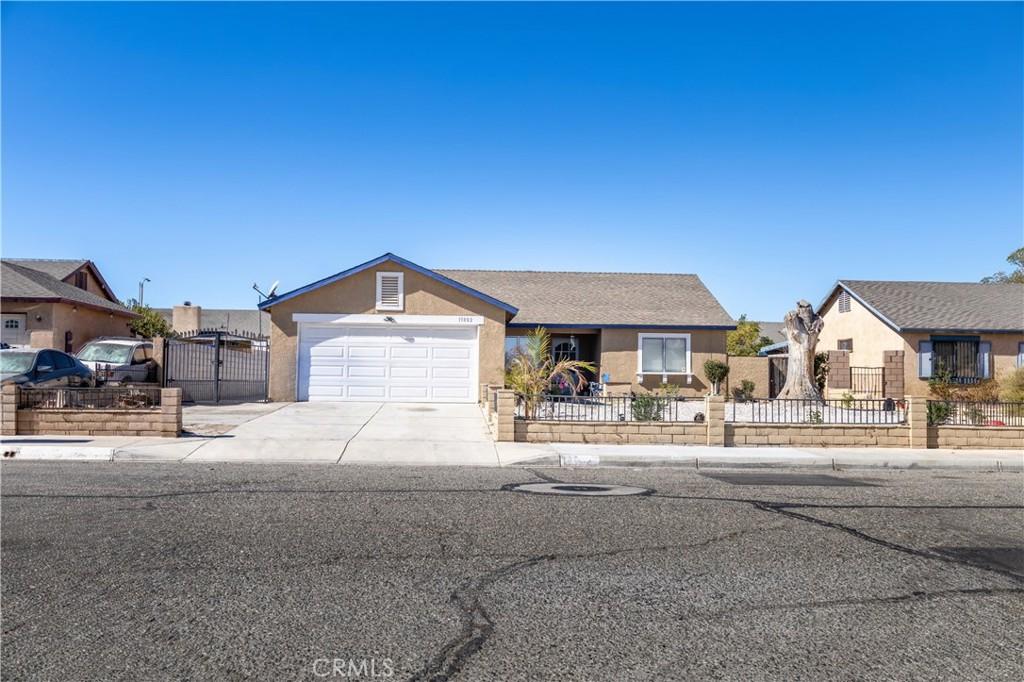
273,289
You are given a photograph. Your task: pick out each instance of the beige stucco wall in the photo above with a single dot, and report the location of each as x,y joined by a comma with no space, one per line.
618,353
57,318
751,368
871,337
357,295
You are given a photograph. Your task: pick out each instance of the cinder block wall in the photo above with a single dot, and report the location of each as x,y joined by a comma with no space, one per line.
611,432
163,421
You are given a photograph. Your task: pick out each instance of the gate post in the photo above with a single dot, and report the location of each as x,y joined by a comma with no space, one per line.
160,358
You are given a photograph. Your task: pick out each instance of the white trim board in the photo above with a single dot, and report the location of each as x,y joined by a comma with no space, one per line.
397,320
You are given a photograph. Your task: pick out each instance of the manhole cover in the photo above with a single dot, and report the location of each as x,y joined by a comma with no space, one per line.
582,489
786,479
1005,558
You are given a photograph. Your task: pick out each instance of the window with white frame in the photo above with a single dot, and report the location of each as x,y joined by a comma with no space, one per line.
663,354
844,301
390,291
1020,354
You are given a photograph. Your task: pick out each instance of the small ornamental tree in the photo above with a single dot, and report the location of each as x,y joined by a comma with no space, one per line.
746,339
716,371
149,323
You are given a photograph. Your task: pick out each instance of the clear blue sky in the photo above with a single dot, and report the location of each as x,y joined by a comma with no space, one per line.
210,145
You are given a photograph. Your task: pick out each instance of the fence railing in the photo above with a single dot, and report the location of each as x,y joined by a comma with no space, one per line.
867,381
792,411
972,413
626,408
106,398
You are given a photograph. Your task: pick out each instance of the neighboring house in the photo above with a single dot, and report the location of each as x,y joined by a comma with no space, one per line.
190,318
776,331
903,332
58,304
390,329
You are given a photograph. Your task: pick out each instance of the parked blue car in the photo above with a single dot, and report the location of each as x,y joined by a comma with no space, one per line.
43,368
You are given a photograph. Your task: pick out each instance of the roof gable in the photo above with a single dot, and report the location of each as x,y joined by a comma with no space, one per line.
63,268
20,281
390,257
938,306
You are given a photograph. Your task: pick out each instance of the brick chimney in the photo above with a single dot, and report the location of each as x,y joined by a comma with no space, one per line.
187,317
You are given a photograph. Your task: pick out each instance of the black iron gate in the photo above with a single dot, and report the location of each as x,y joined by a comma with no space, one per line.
213,366
777,365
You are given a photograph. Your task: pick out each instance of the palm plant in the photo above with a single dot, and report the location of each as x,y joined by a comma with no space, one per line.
532,370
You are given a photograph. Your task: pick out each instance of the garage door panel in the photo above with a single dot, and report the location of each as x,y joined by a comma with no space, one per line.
410,372
361,371
363,392
416,364
418,392
325,391
364,351
410,352
450,353
450,372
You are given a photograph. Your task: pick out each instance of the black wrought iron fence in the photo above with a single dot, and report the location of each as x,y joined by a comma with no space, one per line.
867,381
973,413
106,398
841,411
626,408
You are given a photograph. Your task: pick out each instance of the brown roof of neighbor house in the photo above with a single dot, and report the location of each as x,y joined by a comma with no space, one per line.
20,279
941,306
595,299
773,330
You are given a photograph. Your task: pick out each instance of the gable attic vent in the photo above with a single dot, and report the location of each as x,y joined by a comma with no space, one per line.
390,292
844,301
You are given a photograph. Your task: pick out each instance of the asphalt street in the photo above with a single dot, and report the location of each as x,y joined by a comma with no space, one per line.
242,571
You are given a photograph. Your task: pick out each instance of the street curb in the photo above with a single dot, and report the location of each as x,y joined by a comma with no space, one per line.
37,453
566,460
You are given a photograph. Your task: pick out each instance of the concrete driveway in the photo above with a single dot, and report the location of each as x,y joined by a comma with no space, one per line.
355,433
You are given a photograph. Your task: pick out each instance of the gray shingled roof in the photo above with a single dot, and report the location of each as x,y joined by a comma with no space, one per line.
228,319
19,279
773,330
943,306
593,299
55,267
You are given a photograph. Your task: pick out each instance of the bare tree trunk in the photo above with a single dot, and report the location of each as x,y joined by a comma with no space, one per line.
803,326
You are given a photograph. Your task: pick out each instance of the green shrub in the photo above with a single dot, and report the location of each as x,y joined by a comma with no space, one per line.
1011,388
647,408
815,417
744,392
847,399
939,412
716,371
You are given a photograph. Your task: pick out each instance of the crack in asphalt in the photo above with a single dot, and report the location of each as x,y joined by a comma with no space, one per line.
860,535
916,596
478,626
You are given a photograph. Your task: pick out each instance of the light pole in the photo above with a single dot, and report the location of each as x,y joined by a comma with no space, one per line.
142,289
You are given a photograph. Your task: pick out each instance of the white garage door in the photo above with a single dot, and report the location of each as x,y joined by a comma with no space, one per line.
400,364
